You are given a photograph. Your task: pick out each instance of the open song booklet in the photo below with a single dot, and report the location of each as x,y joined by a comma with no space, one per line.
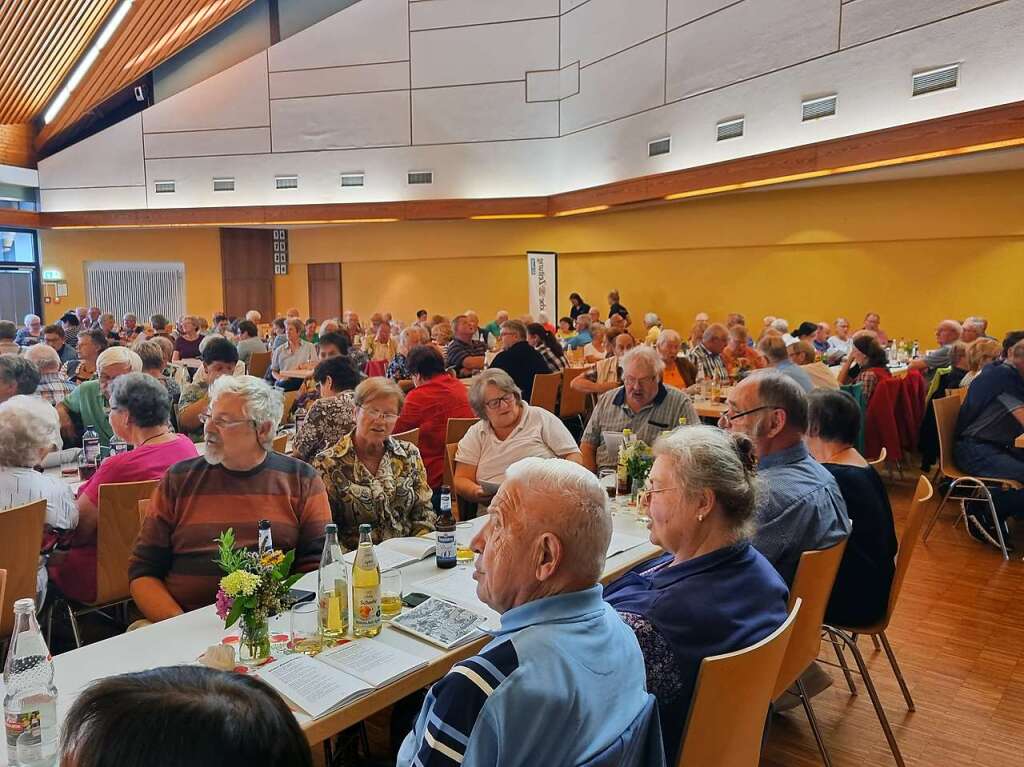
339,675
398,552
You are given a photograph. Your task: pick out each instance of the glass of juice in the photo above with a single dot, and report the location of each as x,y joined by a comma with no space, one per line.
390,594
463,540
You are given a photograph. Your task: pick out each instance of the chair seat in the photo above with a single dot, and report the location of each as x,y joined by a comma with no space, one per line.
955,473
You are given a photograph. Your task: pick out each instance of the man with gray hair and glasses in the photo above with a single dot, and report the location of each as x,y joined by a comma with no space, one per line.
17,376
238,482
642,404
803,509
562,682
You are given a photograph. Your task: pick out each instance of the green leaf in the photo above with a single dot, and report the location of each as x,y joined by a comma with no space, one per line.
234,614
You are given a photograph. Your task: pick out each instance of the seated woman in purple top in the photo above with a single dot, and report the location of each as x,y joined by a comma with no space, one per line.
712,592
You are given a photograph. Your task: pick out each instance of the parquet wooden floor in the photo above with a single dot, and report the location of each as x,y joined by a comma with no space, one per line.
958,634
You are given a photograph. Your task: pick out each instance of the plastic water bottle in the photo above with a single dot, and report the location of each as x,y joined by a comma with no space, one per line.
332,588
30,703
117,446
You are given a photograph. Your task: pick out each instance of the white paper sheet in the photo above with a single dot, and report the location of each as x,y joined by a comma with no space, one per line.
313,686
372,661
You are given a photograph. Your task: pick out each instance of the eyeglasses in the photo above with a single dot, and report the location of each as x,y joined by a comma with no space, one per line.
497,402
374,414
643,498
221,422
631,381
726,418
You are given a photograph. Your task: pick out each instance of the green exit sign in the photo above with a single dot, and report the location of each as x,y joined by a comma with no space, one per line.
51,274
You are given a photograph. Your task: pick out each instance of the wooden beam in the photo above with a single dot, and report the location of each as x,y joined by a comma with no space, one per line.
970,132
19,219
16,145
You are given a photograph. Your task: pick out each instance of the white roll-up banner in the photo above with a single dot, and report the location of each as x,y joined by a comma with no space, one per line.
543,268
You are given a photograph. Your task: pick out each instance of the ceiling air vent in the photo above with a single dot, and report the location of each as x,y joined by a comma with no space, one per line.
286,182
815,109
659,147
936,79
352,179
223,185
421,177
730,129
163,187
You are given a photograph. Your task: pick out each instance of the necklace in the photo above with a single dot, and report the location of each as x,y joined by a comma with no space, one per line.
161,434
837,454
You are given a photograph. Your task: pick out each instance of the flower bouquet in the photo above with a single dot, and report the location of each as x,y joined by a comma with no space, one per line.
254,588
639,460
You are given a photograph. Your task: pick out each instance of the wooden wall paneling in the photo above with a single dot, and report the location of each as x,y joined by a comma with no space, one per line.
324,290
16,146
247,270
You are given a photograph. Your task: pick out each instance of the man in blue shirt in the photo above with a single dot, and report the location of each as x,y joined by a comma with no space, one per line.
563,680
804,509
583,336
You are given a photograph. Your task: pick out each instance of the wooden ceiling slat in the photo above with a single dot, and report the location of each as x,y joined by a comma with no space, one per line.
149,36
39,81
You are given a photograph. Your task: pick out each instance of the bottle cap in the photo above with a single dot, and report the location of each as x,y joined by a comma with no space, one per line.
330,527
364,528
264,524
27,605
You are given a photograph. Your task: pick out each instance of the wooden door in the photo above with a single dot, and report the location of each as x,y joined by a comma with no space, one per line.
247,271
324,291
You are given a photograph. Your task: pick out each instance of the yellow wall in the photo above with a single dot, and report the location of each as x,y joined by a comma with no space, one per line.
915,251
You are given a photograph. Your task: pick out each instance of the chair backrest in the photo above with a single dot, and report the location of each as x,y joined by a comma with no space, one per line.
573,403
457,428
880,459
258,363
117,529
947,410
413,436
376,368
289,403
21,534
908,542
280,443
449,476
143,511
812,585
545,391
960,392
730,701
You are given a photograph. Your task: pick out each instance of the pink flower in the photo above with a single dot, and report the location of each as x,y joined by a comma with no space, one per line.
224,604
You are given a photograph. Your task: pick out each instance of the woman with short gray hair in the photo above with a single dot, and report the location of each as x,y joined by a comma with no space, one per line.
17,376
509,429
140,411
29,429
712,593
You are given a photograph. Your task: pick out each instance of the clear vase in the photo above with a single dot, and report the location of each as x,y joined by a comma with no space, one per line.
254,640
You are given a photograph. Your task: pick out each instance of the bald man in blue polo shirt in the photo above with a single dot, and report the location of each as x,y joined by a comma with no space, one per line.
562,682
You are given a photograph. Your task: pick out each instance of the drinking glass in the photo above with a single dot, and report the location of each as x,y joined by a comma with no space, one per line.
305,620
390,594
609,480
463,539
69,463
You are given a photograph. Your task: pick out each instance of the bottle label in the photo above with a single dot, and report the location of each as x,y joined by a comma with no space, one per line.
366,601
19,723
366,559
445,548
91,449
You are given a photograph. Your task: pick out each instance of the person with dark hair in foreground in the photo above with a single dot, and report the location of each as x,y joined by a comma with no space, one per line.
182,716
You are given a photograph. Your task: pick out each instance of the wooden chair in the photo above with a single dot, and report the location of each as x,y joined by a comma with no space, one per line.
21,533
289,403
280,443
880,461
725,725
813,585
846,636
457,428
573,403
259,363
960,392
545,391
3,584
449,477
116,530
143,511
971,489
413,436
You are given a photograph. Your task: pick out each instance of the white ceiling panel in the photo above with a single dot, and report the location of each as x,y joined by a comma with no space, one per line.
368,32
112,157
740,42
434,14
684,11
625,83
483,54
870,19
600,28
207,143
480,113
234,98
339,122
334,81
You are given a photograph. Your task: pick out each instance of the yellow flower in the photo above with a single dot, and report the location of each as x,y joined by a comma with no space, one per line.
240,584
272,559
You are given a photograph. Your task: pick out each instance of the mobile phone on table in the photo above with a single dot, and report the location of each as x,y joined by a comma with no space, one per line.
301,595
414,599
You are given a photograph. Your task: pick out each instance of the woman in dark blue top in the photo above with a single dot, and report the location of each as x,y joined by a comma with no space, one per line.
579,306
712,593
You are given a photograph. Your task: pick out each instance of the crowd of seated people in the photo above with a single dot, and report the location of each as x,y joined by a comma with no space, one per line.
732,507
